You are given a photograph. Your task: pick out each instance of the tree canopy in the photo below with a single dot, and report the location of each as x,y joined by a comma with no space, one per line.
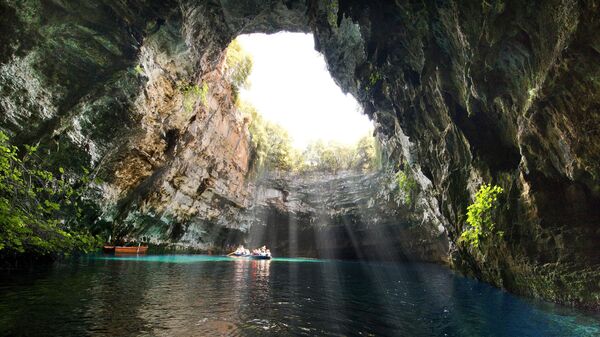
274,151
238,66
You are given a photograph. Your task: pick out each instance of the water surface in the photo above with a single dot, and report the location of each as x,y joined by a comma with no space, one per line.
195,295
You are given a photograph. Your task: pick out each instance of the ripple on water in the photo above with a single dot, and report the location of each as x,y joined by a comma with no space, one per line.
195,295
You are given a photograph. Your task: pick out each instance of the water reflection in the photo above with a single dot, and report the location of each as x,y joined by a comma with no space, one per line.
173,296
260,270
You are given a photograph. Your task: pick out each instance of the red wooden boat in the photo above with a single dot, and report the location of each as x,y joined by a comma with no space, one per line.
131,250
108,249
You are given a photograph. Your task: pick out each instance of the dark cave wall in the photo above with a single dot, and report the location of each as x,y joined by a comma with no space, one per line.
462,92
502,92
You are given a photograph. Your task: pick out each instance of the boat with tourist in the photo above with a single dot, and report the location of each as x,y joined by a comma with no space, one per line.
261,253
240,251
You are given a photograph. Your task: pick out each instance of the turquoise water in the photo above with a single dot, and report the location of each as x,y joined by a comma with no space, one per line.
196,295
192,258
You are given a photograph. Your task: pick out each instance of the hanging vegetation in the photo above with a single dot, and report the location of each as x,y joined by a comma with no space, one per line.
40,210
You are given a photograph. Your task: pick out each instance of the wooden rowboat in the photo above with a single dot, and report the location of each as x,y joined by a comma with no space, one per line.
131,250
108,249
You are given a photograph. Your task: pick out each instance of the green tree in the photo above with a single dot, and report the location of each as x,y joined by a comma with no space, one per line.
271,143
273,149
331,157
313,154
366,158
279,148
238,66
40,211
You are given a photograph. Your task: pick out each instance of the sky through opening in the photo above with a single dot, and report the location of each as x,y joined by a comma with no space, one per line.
290,85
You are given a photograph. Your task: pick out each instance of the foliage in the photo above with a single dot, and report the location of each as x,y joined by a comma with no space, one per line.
139,70
407,184
280,154
40,211
368,154
334,157
273,149
238,66
271,143
191,94
329,157
374,78
480,216
333,7
204,93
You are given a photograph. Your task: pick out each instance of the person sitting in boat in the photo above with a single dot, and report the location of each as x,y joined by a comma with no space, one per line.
240,251
262,251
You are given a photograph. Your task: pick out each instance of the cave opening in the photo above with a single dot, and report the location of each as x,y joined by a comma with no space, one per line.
298,118
310,141
289,84
485,159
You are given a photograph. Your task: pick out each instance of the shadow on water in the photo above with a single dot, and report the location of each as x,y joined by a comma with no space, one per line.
73,295
195,295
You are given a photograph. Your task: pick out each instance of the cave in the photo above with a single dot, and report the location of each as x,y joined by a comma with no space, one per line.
461,94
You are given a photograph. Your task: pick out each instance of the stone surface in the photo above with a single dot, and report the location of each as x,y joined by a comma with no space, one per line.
499,92
349,215
461,93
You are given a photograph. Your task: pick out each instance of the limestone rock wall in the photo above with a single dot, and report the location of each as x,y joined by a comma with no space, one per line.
118,88
503,92
346,215
461,92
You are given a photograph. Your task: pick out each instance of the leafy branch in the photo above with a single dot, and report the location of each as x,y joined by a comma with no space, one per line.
40,211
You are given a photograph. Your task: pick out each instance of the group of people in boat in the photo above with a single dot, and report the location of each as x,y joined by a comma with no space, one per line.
242,251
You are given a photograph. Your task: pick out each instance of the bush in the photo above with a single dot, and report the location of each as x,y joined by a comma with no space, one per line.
480,216
40,212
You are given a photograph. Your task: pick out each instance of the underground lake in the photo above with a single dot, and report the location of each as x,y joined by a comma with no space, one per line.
198,295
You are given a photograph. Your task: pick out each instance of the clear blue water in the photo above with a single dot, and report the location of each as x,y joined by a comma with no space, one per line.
194,295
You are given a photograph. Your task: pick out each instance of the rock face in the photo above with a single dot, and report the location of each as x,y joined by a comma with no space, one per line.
494,92
347,215
461,93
